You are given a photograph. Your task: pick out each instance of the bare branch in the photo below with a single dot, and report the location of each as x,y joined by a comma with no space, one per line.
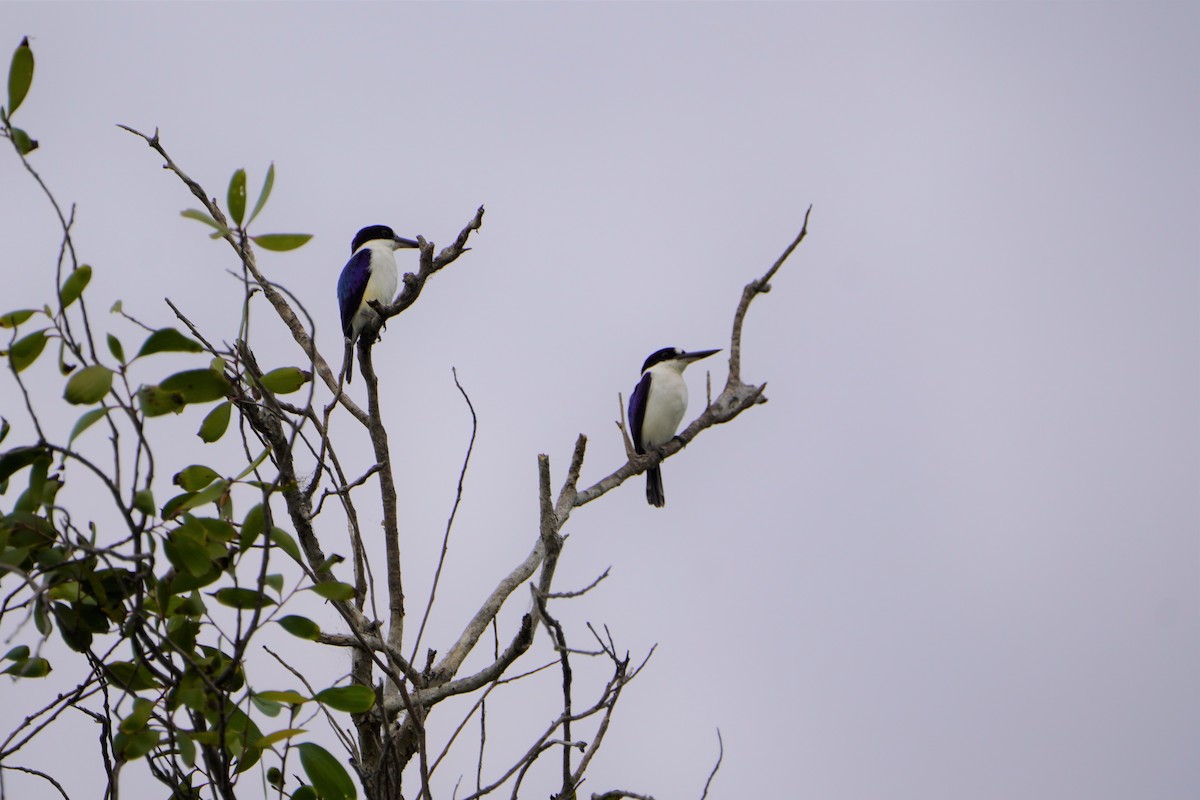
716,766
437,575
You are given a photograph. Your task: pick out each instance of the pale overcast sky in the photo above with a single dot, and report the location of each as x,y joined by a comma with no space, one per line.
957,555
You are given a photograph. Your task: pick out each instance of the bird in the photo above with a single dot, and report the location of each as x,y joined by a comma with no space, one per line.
369,275
656,407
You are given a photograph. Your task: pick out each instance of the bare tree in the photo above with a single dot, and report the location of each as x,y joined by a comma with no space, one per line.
168,670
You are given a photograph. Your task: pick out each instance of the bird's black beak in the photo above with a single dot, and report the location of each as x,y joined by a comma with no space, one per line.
699,354
400,243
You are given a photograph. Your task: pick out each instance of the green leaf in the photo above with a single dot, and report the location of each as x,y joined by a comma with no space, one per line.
115,347
305,792
278,736
187,748
200,216
195,477
130,677
25,145
26,350
86,421
237,597
89,385
198,385
288,696
14,318
156,401
299,626
353,699
143,501
265,193
285,380
18,653
280,242
252,527
168,340
237,196
74,285
284,541
274,581
137,719
253,465
20,76
326,773
211,494
131,748
187,552
334,590
29,668
215,423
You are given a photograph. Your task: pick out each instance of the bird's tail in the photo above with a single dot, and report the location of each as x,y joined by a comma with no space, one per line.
654,489
349,361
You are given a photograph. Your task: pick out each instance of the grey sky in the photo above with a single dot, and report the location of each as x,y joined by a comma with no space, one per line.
956,555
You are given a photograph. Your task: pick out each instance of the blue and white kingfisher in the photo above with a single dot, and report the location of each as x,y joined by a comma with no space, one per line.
657,405
370,274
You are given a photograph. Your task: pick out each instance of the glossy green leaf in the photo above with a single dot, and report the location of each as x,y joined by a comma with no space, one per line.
116,348
281,242
14,318
326,773
353,699
20,76
237,196
299,626
195,477
168,340
334,590
26,350
268,183
200,216
74,285
89,385
198,385
156,401
305,792
25,144
215,423
285,380
238,597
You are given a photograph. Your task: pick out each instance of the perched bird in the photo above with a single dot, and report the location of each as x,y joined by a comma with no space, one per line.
370,274
656,407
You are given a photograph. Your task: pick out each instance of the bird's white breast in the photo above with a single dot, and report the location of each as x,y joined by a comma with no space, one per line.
381,285
666,403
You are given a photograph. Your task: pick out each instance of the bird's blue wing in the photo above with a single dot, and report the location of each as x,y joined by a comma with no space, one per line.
637,410
351,286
